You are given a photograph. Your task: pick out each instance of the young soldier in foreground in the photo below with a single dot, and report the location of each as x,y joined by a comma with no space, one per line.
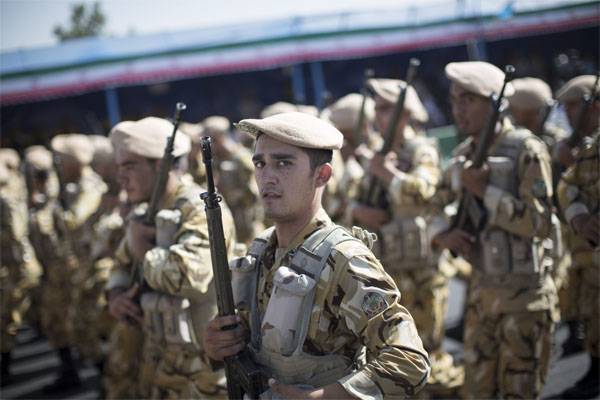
309,269
510,318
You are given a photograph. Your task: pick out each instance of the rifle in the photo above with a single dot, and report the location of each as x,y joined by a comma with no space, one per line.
357,134
160,185
469,209
545,115
243,375
62,184
588,99
375,196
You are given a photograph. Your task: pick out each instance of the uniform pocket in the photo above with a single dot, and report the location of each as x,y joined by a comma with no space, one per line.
242,281
283,319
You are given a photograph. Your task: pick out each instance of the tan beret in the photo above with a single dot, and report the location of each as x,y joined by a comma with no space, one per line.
39,158
343,114
277,108
216,124
103,149
148,137
297,129
194,131
10,158
389,90
530,93
75,145
576,88
310,110
478,77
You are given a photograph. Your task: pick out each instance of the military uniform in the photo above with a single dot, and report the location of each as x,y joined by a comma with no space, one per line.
180,296
19,271
322,309
512,302
579,193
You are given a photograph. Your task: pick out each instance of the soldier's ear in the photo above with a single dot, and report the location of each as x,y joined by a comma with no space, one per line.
324,172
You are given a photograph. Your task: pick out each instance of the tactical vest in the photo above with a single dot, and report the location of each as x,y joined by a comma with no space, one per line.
404,243
501,253
278,336
169,319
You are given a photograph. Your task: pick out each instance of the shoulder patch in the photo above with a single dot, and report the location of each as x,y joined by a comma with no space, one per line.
539,189
373,303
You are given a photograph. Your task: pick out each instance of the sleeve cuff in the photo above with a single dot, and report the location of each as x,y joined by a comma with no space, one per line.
359,385
491,200
118,278
574,210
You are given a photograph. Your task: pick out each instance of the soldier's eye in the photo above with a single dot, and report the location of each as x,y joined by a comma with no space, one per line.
259,164
283,163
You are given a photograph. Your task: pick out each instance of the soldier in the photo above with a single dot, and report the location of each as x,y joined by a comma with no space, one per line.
410,174
511,304
19,269
316,279
195,166
90,323
579,198
344,115
233,173
174,260
56,229
530,106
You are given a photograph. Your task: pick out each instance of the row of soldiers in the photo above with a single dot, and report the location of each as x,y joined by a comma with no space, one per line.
79,234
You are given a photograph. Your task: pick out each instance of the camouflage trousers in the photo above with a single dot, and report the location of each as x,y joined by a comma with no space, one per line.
56,299
122,367
583,292
506,355
177,372
425,294
89,321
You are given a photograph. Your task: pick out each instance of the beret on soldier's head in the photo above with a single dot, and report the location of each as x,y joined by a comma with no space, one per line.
194,131
148,137
530,93
103,149
74,145
10,158
389,90
39,158
277,108
576,88
478,77
216,124
344,113
295,128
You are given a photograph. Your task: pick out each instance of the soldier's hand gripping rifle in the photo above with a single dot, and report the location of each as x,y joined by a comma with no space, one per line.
471,214
375,195
243,375
358,137
160,185
588,99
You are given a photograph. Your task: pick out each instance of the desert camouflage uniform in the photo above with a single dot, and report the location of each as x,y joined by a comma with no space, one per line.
19,269
356,305
236,183
579,192
90,321
180,272
54,235
511,308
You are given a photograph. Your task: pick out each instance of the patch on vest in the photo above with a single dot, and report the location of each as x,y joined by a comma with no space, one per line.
373,303
539,188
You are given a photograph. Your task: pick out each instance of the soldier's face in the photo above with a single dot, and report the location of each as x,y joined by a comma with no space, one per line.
136,175
383,115
469,110
286,184
526,117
